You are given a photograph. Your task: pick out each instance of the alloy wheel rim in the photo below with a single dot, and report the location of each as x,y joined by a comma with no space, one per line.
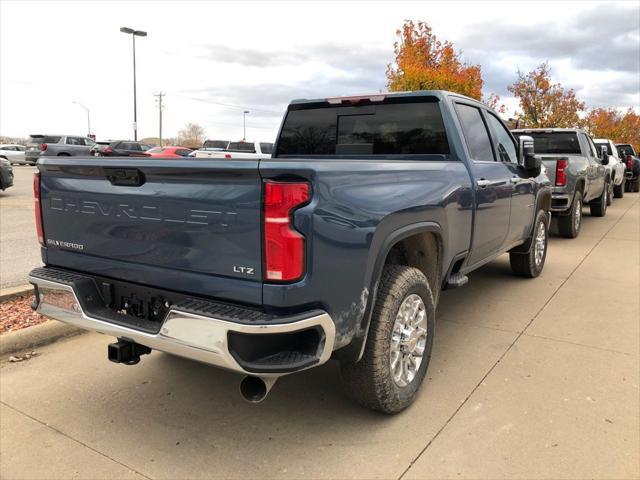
408,340
577,215
541,243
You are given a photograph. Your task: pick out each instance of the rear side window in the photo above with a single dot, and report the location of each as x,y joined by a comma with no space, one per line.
266,148
183,152
387,129
554,142
475,133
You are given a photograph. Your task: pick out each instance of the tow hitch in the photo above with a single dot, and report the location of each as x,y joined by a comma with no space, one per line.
127,352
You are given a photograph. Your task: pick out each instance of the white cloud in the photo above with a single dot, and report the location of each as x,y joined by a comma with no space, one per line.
253,55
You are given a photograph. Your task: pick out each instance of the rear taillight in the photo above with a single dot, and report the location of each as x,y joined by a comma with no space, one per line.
227,155
36,196
107,150
43,146
629,162
283,245
561,176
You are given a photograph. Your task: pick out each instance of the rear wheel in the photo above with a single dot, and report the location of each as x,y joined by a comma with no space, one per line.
530,264
398,347
599,207
609,193
636,185
618,190
569,225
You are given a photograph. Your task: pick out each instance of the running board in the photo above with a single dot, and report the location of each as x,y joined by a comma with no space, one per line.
457,280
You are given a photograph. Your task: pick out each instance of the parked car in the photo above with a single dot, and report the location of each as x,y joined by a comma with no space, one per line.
239,150
120,148
337,246
169,152
35,145
6,174
577,173
13,153
58,145
616,165
627,152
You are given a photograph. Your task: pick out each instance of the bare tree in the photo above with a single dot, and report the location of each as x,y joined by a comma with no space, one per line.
192,135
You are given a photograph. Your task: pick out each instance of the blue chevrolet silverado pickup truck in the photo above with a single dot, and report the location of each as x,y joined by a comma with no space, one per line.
336,247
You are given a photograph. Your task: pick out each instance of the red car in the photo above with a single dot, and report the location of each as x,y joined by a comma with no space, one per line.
169,152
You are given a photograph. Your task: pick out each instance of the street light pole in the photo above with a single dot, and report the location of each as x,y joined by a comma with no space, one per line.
134,34
244,125
88,118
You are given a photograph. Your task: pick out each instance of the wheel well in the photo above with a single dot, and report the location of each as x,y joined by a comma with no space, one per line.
422,251
63,154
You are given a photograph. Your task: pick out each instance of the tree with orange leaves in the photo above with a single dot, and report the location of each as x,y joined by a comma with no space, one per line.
610,123
543,103
425,63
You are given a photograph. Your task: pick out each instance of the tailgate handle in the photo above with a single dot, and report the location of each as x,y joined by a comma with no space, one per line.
124,177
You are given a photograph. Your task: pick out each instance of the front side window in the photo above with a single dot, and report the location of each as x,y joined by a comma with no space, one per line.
380,129
475,133
591,146
506,147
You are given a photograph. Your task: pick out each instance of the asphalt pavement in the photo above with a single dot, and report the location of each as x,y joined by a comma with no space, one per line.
528,379
19,248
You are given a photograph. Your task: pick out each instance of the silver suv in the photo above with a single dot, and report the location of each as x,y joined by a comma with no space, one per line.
57,145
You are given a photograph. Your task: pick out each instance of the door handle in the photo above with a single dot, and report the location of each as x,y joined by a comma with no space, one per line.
516,180
482,183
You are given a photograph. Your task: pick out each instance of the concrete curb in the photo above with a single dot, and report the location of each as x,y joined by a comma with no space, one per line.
13,292
36,336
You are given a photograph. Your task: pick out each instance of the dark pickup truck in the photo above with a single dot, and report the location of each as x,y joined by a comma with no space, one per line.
338,246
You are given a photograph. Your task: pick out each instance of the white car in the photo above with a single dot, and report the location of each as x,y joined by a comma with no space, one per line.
13,153
616,165
239,150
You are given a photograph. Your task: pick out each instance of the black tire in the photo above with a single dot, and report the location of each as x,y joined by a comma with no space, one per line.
609,193
636,186
618,190
370,381
530,264
598,207
569,225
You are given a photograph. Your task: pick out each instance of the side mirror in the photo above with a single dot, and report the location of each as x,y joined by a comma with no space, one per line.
527,157
604,156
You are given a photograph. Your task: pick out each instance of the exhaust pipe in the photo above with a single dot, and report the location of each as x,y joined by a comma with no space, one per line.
255,389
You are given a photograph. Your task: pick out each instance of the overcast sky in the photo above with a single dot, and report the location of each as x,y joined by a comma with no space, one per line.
258,56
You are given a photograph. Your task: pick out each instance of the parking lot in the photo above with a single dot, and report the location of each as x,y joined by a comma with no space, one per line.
19,249
528,379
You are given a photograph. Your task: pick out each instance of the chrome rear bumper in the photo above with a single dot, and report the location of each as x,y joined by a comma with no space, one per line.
197,337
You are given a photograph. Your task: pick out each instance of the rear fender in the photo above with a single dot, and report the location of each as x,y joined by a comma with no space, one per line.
355,349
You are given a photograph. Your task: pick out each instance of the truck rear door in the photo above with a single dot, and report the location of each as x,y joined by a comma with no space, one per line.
184,225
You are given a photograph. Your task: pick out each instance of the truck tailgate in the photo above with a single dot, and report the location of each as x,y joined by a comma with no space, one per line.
184,225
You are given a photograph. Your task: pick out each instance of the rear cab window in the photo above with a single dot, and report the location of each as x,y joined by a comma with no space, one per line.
244,147
398,127
555,143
